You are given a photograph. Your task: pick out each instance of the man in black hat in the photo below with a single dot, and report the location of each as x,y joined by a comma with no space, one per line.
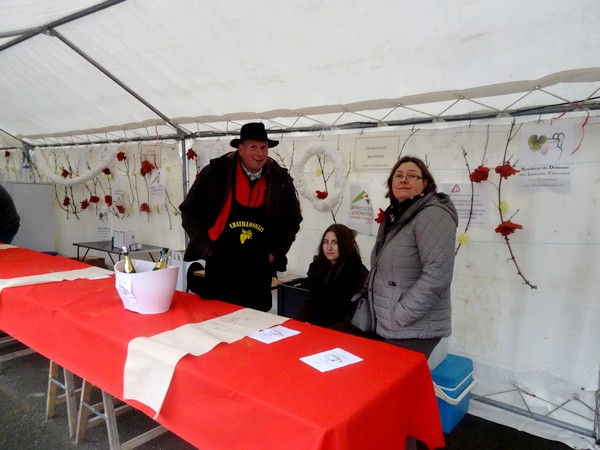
242,214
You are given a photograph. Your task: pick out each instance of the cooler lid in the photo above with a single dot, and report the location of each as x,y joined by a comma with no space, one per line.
452,370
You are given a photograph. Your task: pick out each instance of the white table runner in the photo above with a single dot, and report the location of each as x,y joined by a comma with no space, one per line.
88,272
151,360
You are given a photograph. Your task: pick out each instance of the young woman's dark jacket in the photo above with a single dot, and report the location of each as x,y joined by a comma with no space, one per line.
328,303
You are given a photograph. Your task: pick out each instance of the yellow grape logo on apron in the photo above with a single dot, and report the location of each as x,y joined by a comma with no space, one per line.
245,235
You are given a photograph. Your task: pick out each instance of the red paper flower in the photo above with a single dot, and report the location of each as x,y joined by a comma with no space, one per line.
147,167
108,200
121,209
121,156
506,170
507,227
66,201
94,199
6,153
380,216
106,171
321,195
65,173
480,174
84,204
191,154
145,208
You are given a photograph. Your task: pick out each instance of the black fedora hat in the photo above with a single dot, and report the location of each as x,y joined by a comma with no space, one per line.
255,131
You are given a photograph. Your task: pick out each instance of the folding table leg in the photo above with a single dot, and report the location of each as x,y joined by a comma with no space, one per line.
107,412
68,397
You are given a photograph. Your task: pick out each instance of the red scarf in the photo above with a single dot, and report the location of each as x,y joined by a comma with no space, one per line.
251,197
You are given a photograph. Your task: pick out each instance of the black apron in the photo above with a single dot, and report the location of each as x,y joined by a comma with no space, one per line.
238,269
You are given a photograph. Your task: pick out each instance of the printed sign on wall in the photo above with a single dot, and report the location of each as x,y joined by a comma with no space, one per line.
545,158
376,153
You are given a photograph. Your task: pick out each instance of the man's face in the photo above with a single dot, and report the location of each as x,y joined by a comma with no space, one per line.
254,154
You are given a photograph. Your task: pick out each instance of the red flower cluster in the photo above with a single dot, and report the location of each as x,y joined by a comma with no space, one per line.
506,170
65,173
121,209
106,171
108,200
480,174
145,208
507,227
191,154
94,199
6,153
66,201
380,216
121,156
147,167
321,195
85,204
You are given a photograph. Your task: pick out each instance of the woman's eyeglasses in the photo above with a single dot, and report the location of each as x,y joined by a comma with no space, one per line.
409,177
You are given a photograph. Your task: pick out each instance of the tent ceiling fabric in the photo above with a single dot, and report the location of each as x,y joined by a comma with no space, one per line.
209,66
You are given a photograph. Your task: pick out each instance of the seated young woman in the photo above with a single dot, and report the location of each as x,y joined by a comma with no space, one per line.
334,276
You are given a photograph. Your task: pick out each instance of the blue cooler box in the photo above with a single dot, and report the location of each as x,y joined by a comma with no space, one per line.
453,381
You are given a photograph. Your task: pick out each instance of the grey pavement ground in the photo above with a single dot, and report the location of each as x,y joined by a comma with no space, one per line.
23,423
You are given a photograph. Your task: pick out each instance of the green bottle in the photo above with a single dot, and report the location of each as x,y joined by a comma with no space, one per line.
163,260
127,264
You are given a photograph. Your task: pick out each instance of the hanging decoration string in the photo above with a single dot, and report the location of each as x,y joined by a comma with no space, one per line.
41,162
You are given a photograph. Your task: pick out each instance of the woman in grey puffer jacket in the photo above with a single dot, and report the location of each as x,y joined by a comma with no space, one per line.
413,260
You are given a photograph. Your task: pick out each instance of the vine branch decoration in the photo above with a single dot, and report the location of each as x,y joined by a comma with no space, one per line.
505,170
508,227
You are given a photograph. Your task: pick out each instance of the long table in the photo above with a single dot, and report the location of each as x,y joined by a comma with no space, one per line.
244,395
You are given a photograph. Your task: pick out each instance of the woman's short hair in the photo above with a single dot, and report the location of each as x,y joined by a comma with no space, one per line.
430,187
346,240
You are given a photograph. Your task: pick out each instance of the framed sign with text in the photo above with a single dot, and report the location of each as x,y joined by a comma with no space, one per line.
376,152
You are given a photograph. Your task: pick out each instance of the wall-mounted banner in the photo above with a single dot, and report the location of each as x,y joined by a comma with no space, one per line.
376,153
207,150
103,225
545,157
360,211
152,153
461,196
157,183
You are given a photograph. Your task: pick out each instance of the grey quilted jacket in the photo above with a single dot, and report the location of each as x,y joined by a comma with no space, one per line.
411,271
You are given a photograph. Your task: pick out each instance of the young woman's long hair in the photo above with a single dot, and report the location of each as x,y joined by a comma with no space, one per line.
347,245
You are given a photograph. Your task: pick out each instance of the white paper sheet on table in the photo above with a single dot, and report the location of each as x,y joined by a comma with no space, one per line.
88,272
151,360
330,359
7,246
274,334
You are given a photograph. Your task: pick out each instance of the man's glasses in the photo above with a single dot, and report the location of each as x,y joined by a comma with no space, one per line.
409,177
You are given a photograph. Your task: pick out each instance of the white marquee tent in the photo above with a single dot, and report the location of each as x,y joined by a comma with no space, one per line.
84,75
87,70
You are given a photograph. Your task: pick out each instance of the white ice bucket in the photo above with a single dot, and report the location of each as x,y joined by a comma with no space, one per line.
146,291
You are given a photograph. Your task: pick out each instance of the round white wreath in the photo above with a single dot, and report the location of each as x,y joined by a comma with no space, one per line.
335,194
39,159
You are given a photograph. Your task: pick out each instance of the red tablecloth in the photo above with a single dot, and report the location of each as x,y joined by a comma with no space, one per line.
21,262
245,395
